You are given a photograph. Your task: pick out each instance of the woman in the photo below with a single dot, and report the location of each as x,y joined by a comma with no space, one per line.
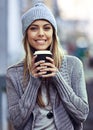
41,101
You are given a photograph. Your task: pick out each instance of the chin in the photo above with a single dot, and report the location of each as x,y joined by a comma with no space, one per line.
43,48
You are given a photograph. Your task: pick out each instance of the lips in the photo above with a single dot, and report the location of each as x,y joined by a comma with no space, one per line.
41,41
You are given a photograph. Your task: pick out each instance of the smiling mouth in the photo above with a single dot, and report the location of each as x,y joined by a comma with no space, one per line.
40,41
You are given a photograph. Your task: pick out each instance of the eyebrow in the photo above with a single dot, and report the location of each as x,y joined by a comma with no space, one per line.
38,25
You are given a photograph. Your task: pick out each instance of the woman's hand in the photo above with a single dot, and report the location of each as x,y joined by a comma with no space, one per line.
49,67
37,67
40,69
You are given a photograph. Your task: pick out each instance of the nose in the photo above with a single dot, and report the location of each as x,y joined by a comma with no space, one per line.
41,32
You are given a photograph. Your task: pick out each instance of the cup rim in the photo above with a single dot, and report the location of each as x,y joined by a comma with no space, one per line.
42,52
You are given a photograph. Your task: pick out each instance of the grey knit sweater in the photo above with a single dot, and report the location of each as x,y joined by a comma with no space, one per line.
70,85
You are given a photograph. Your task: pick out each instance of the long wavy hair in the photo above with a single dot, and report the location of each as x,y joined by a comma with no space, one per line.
57,54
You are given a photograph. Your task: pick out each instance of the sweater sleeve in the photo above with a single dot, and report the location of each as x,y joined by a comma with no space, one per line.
20,106
74,97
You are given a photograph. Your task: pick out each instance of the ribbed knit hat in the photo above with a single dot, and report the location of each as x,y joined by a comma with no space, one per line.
38,11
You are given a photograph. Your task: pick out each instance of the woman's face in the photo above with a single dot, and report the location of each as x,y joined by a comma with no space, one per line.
40,34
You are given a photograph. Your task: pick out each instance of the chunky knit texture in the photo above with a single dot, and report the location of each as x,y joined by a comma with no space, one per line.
70,84
38,11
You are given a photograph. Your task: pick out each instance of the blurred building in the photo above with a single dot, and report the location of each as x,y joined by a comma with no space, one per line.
3,51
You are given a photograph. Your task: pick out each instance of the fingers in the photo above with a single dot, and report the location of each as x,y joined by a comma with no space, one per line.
39,63
49,67
52,72
36,67
48,75
50,60
39,74
40,68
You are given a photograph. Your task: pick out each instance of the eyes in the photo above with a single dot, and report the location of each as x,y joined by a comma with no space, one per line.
36,28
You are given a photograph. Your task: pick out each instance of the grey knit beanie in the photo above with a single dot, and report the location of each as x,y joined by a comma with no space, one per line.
38,11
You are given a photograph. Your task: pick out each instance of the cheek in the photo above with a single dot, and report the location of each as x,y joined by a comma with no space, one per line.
50,34
50,37
30,37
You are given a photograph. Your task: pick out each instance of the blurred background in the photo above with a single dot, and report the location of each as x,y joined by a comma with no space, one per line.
75,29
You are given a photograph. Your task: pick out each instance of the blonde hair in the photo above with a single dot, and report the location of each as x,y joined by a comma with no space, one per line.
57,53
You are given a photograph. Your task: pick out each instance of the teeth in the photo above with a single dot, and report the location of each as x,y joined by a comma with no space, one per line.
40,41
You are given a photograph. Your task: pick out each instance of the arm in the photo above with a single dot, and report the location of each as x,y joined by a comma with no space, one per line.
73,97
20,106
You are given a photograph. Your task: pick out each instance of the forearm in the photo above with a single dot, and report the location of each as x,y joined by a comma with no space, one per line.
20,108
76,106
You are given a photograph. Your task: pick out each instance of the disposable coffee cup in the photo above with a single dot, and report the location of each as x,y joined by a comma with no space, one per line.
41,55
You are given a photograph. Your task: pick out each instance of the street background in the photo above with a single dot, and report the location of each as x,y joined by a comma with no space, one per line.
75,29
